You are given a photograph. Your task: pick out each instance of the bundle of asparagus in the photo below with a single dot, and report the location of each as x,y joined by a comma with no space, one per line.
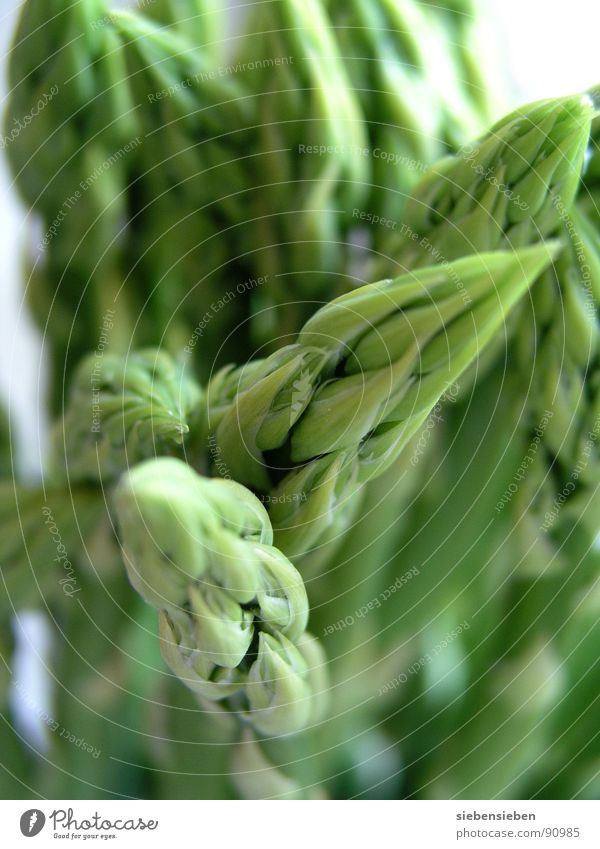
262,431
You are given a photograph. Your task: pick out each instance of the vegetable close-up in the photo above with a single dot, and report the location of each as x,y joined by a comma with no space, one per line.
316,509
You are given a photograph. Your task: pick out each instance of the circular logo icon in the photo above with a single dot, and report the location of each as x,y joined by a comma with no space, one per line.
32,822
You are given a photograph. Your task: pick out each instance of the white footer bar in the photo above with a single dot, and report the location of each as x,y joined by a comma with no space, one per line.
310,825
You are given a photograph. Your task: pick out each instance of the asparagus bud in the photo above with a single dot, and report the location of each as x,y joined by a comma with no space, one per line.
223,628
174,533
123,410
279,694
340,405
502,190
233,610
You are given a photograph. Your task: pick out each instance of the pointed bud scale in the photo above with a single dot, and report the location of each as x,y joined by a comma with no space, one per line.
223,630
315,502
278,692
282,597
265,409
162,533
240,512
187,662
177,527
